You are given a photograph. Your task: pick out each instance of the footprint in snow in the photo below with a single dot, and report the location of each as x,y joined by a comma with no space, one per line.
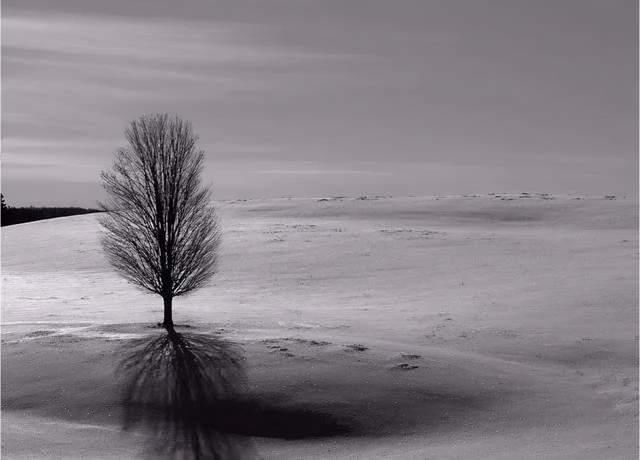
405,367
356,347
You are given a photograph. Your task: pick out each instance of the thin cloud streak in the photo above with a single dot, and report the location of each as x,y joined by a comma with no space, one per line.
160,41
322,171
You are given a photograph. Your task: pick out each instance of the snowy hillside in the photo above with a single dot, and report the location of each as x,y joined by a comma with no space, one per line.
501,326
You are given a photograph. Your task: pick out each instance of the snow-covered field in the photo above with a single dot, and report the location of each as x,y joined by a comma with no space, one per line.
498,327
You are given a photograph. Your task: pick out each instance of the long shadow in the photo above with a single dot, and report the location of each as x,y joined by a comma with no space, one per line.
172,386
187,393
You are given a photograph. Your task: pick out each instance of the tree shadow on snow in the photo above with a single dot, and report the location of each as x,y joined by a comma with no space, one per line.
187,393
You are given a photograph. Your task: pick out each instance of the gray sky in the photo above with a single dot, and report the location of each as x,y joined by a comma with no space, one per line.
332,97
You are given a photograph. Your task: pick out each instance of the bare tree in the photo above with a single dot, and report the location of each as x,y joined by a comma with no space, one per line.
160,231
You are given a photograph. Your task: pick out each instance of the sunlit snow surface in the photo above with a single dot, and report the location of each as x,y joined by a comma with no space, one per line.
377,265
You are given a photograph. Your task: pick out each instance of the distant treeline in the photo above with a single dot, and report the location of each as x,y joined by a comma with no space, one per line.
11,215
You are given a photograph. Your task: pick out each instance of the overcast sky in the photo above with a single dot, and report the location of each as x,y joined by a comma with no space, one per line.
326,97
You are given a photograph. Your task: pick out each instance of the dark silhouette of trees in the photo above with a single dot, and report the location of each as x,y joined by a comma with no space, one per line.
160,231
4,217
12,215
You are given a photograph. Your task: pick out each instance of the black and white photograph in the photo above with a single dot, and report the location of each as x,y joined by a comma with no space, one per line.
319,229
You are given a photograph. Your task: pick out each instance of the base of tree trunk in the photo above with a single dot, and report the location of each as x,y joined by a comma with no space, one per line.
167,323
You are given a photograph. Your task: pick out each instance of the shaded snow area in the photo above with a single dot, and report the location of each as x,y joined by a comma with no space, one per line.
495,327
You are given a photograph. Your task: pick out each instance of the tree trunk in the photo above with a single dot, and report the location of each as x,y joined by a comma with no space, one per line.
168,313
